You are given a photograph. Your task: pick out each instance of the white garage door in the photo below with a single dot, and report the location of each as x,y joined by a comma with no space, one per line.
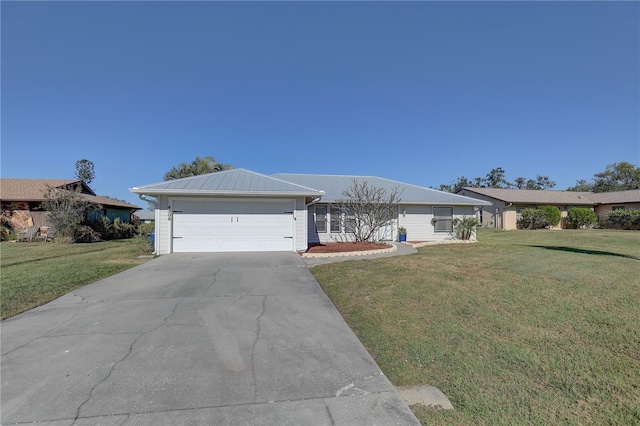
206,226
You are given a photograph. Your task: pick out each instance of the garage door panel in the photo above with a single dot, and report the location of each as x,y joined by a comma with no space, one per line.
232,226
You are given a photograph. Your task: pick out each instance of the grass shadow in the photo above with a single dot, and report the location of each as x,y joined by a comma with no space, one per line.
585,251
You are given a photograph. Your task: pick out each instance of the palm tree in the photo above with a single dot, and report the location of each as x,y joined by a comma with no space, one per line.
199,166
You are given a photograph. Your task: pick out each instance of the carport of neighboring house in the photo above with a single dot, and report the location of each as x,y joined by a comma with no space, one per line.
230,211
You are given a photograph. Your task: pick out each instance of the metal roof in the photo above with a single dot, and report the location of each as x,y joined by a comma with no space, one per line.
335,185
238,182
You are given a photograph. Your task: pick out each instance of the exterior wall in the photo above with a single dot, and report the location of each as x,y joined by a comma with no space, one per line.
300,223
163,232
602,209
493,215
509,217
415,218
322,237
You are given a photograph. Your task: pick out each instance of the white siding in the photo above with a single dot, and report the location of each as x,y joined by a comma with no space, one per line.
417,219
300,218
162,226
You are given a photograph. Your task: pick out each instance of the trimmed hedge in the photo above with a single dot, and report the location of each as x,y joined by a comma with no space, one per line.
622,219
540,217
580,217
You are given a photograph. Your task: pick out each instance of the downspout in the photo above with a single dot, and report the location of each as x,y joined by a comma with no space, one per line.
154,203
144,197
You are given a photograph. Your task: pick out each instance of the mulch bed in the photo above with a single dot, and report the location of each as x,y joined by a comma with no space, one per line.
345,247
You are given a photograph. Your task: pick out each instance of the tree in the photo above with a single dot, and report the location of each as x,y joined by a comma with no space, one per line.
520,183
617,177
496,179
66,210
620,176
85,171
540,183
456,185
199,166
366,209
581,186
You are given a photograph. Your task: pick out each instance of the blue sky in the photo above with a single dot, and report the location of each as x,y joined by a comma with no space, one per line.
421,92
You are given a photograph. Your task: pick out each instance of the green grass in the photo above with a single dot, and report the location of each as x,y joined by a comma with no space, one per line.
36,273
526,327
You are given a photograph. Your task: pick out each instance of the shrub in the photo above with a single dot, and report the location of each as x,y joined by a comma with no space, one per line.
540,217
112,230
143,239
464,227
580,217
66,210
622,219
552,215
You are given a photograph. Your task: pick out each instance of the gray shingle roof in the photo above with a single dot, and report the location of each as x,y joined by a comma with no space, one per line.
335,185
228,182
530,196
618,197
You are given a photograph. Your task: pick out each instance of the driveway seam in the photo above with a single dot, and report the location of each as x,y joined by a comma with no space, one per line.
209,407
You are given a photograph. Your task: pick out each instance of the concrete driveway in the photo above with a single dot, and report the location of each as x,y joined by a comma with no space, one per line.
244,338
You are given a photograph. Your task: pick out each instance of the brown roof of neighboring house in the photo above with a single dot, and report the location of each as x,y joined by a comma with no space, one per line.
617,197
14,189
531,196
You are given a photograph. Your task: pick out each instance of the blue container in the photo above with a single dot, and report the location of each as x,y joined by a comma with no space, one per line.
152,237
402,237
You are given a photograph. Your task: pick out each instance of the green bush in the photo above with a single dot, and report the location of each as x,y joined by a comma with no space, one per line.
464,227
540,217
112,230
580,217
143,239
622,219
552,215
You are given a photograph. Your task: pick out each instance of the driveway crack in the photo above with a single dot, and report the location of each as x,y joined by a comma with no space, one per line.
48,332
253,350
126,355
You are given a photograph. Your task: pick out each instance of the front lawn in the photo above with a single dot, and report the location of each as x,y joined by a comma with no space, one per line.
36,273
526,327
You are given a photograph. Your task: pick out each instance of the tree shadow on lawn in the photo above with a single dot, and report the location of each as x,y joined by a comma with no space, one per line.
584,251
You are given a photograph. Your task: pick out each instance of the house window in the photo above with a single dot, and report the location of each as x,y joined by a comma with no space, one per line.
618,207
444,219
349,222
321,219
335,219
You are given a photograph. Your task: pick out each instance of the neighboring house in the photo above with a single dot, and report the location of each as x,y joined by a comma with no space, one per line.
506,204
146,216
619,200
21,201
240,210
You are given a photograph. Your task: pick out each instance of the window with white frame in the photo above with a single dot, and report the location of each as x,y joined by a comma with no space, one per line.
443,219
321,219
334,219
349,222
